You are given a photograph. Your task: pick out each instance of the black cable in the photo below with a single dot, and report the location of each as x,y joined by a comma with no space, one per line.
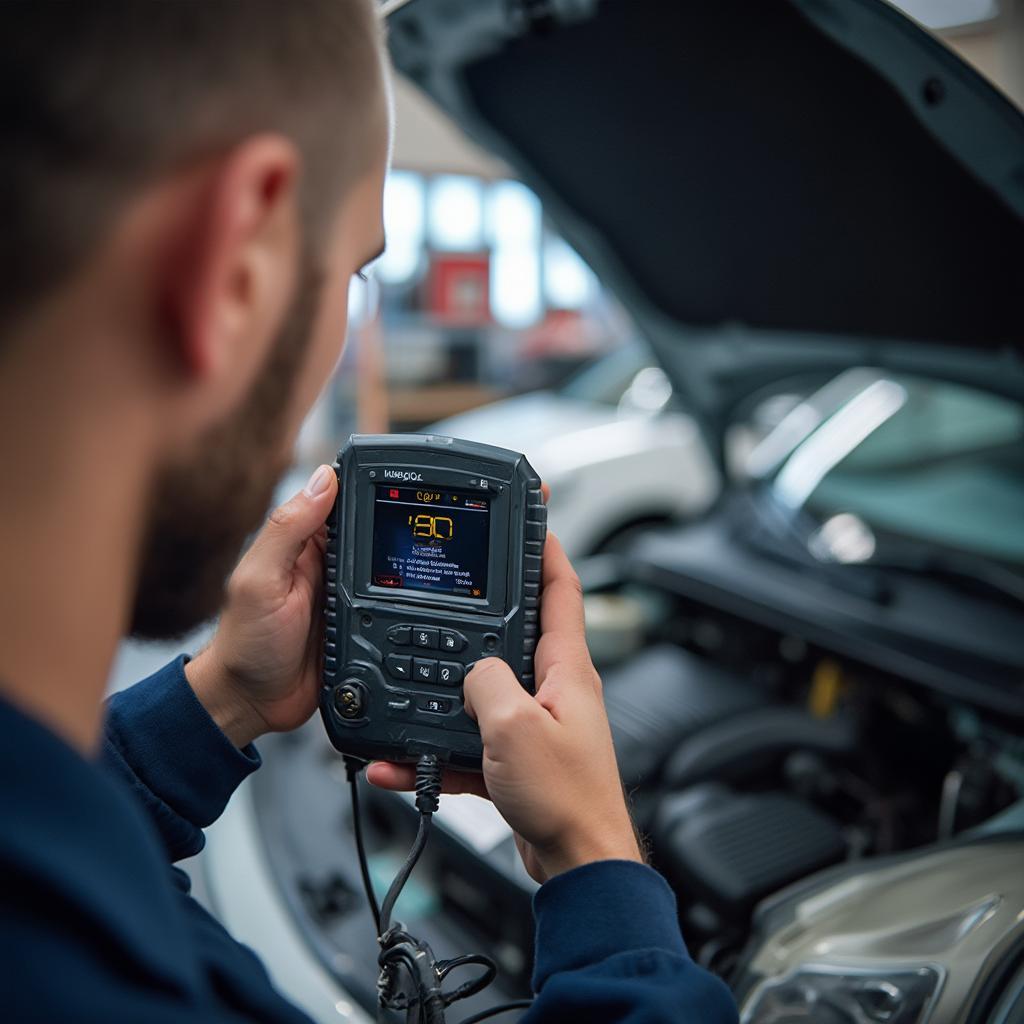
428,797
518,1004
352,769
445,967
474,985
403,876
400,950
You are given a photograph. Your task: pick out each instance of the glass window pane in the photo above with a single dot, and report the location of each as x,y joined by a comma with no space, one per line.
404,224
513,215
403,204
401,260
568,281
515,286
455,213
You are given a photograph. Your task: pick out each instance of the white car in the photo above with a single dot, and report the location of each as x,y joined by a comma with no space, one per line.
613,444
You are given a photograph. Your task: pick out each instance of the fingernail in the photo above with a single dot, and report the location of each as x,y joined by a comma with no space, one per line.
319,481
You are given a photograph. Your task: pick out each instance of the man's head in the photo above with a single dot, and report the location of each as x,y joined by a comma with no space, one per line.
192,183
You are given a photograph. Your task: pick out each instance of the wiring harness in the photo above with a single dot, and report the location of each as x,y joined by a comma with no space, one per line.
411,978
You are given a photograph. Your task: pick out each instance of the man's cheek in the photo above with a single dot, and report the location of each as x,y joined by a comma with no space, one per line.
324,355
331,332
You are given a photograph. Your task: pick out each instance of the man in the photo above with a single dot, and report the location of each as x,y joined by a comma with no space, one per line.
186,189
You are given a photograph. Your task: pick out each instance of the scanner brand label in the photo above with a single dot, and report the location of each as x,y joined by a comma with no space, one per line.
402,474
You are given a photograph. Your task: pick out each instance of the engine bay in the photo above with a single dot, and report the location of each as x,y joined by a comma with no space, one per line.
753,756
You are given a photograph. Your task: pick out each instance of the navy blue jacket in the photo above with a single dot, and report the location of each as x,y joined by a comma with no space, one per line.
97,925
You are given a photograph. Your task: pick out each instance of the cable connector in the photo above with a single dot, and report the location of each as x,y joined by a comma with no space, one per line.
428,784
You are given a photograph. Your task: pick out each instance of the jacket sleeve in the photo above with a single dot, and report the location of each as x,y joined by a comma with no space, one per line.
162,743
609,949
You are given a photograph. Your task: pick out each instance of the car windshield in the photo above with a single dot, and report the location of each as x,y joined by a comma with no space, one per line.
908,458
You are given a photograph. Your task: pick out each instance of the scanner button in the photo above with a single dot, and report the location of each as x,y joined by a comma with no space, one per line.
400,666
450,673
424,637
435,705
424,670
401,635
452,641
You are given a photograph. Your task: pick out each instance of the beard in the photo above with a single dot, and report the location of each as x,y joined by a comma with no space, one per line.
203,509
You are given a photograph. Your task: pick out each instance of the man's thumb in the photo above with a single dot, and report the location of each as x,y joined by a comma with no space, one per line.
290,525
495,697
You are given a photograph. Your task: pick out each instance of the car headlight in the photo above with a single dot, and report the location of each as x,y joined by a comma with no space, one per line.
832,995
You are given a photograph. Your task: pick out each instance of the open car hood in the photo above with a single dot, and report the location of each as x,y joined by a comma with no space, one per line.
771,188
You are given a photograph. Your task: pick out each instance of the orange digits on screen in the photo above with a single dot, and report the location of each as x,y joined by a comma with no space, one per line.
432,527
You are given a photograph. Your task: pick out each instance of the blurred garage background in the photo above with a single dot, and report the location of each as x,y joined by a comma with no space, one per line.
481,322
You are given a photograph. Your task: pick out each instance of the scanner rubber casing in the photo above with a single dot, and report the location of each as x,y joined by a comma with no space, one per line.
504,623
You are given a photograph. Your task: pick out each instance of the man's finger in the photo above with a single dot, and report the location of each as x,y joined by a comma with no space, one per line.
561,602
283,537
402,777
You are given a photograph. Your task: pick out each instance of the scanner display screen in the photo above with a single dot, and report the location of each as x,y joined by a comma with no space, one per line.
430,539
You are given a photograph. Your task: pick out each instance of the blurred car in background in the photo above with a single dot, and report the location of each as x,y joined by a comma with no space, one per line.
601,442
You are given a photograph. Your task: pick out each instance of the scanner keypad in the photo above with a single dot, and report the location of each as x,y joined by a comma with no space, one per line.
401,635
424,636
424,670
399,666
451,642
409,667
451,673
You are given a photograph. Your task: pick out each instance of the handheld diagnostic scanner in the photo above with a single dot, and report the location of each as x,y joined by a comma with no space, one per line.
433,562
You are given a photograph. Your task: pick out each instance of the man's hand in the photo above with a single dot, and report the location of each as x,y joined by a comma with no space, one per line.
261,671
549,765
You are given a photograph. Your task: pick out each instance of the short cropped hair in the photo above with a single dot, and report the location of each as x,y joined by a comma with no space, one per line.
98,97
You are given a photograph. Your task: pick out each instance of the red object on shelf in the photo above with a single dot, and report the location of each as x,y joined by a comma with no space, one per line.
458,288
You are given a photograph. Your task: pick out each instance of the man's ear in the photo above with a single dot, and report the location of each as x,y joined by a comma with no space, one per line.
234,262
